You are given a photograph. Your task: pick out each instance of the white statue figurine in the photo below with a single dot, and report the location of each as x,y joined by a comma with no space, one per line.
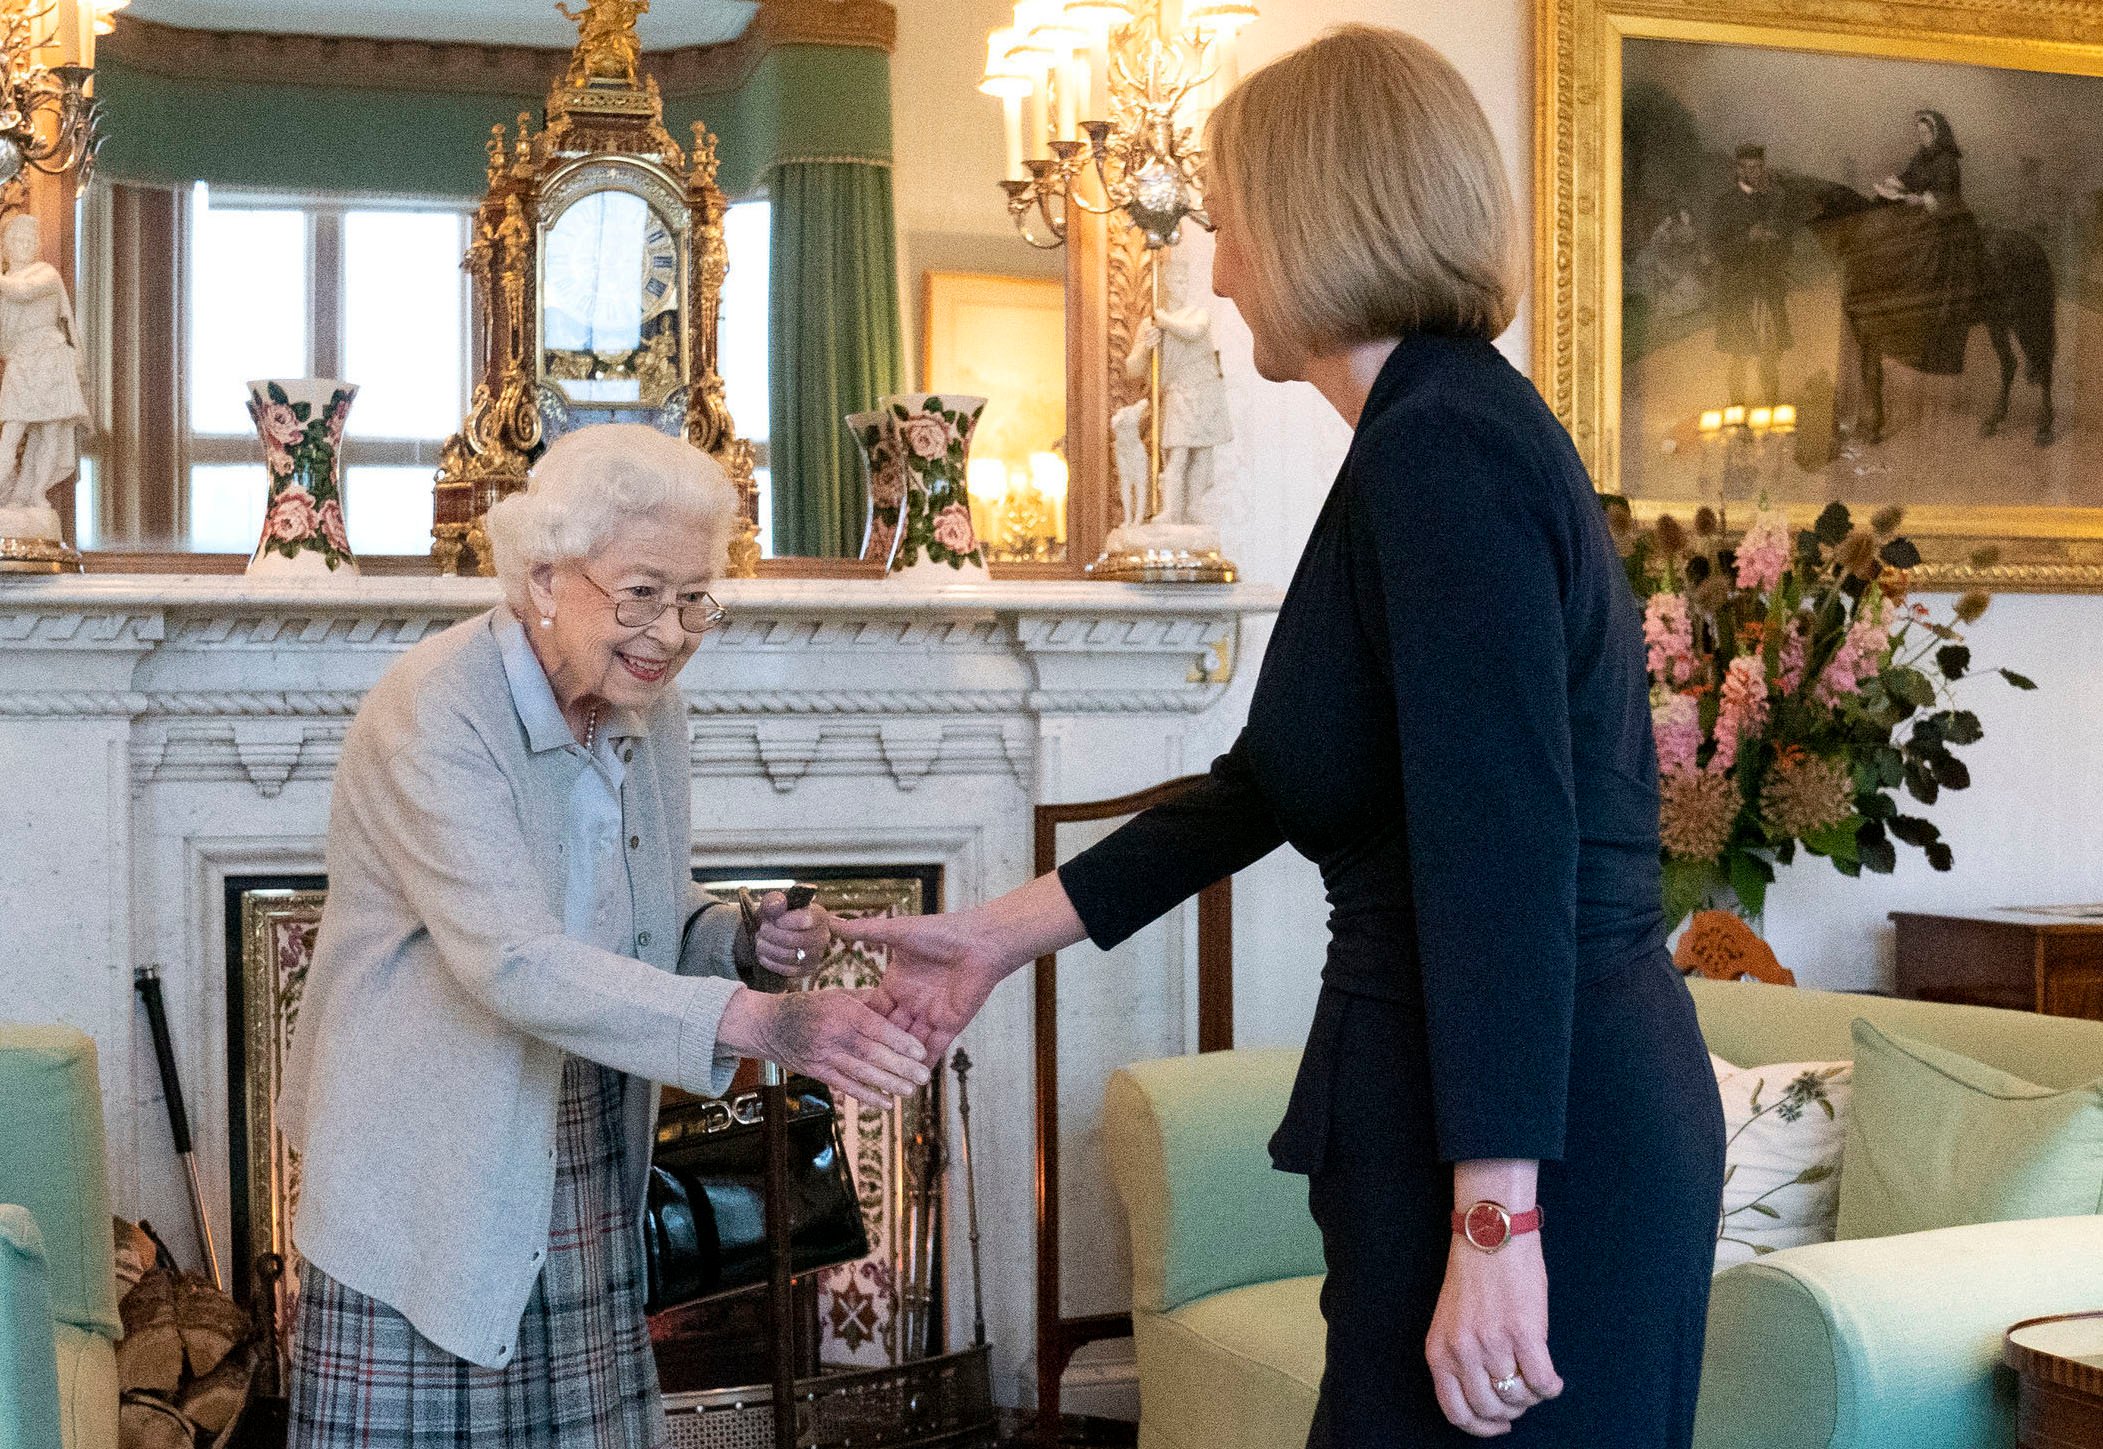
1129,452
1194,417
42,402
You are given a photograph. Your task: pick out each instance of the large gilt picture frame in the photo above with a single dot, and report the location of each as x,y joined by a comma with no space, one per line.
1880,215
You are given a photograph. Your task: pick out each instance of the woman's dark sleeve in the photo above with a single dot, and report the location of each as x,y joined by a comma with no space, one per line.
1163,856
1468,535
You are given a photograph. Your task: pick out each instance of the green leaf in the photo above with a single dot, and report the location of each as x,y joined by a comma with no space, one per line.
1891,768
1950,772
1729,1172
1915,831
277,394
1750,877
1687,887
1835,840
1763,1209
1900,554
1875,806
2016,679
1921,783
1909,686
1953,660
1823,1102
1939,856
1834,524
1874,849
1962,727
1817,1171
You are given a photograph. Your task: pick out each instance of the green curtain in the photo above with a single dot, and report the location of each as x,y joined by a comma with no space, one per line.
834,344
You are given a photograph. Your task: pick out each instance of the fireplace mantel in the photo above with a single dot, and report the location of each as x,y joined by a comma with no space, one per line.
162,734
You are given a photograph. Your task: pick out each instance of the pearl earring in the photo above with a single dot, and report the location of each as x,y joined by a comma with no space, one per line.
547,621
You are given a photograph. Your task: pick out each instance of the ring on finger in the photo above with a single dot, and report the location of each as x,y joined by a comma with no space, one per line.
801,955
1508,1385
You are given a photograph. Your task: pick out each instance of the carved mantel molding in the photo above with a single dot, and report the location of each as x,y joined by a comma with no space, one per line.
184,54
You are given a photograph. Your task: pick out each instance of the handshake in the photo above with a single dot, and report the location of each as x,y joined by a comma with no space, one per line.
873,1044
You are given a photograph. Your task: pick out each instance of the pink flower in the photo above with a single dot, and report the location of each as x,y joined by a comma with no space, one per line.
331,520
1763,553
1860,655
277,423
887,481
339,414
292,515
1677,725
1792,660
926,434
953,529
1742,709
1668,630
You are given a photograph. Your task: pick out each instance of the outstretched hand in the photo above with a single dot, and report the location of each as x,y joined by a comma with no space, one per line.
942,970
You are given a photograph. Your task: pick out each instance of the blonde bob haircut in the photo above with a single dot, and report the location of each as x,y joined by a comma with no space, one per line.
1360,177
593,482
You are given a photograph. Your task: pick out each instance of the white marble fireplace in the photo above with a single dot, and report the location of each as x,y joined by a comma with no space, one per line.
159,735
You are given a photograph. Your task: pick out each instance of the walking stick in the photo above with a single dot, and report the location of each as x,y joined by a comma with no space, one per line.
781,1296
147,982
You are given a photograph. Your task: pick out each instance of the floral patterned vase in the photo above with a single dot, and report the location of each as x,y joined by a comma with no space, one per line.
301,423
928,437
887,484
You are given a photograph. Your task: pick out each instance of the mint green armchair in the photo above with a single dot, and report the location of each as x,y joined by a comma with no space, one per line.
1882,1343
58,1286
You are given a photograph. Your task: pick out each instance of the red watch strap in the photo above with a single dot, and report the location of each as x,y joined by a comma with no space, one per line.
1494,1225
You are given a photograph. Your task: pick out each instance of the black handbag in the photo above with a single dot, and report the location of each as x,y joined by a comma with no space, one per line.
704,1231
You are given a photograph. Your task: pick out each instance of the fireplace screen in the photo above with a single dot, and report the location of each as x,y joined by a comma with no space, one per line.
882,1310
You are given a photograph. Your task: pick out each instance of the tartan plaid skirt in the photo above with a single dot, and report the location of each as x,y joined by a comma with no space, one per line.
583,1376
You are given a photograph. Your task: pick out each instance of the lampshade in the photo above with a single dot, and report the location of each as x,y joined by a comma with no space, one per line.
1218,17
1005,75
1047,24
1027,54
1099,17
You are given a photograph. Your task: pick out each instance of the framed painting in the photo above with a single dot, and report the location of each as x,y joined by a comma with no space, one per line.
270,921
1818,250
1002,338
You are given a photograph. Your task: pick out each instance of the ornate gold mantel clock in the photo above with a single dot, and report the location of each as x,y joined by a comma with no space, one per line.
598,261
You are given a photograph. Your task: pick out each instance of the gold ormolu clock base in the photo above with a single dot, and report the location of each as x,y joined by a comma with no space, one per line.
1163,566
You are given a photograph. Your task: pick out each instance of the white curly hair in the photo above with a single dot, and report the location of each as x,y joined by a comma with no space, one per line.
590,483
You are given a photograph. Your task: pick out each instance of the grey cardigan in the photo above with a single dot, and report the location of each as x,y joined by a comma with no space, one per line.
421,1087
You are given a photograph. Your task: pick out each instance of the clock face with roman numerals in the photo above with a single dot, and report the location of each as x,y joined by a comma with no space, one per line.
610,303
660,267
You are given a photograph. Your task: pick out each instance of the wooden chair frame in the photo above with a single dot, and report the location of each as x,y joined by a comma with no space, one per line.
1059,1337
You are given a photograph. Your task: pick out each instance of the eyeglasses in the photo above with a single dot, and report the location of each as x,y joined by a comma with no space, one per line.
698,613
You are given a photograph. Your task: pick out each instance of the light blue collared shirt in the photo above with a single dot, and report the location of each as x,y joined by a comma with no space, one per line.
598,903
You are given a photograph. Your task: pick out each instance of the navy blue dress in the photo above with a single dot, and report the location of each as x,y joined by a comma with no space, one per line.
1452,721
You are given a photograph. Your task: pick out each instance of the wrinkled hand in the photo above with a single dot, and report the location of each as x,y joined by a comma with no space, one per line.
835,1036
942,969
791,943
1492,1320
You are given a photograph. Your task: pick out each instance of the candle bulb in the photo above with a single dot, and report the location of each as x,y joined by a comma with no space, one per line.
1734,416
1759,419
1099,77
1784,418
1011,124
1712,421
1005,78
1069,84
1040,113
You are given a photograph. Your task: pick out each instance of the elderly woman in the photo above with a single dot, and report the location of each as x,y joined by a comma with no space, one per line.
513,952
1512,1139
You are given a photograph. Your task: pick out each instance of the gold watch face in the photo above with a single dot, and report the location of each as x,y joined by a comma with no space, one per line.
1488,1226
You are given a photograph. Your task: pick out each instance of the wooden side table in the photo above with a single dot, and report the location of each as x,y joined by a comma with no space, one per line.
2047,960
2060,1363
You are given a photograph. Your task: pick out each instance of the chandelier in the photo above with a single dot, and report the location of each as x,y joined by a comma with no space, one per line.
48,116
1114,93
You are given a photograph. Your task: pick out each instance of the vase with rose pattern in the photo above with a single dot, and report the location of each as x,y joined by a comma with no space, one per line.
300,421
926,439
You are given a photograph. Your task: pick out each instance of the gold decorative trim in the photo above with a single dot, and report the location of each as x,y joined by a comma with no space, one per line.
1577,266
270,996
180,53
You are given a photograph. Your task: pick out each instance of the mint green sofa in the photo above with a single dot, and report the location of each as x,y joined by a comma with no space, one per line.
1885,1343
58,1284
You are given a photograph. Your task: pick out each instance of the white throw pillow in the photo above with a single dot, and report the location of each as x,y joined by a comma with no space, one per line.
1784,1126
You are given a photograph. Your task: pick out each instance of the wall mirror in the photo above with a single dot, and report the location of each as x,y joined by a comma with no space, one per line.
289,188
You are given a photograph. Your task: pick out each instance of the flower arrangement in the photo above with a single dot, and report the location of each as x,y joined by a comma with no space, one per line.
1796,689
932,437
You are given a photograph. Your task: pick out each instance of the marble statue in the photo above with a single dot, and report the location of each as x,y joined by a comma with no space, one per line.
1170,527
43,405
1193,396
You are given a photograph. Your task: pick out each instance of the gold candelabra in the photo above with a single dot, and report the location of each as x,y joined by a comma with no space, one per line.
49,118
1113,91
1738,445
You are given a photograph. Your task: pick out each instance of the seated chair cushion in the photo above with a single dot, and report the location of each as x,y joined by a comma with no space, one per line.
29,1391
1235,1370
87,1389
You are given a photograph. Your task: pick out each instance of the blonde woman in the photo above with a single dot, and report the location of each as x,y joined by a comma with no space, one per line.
513,953
1512,1139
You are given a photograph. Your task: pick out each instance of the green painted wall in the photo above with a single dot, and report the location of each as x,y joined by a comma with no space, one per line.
803,102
